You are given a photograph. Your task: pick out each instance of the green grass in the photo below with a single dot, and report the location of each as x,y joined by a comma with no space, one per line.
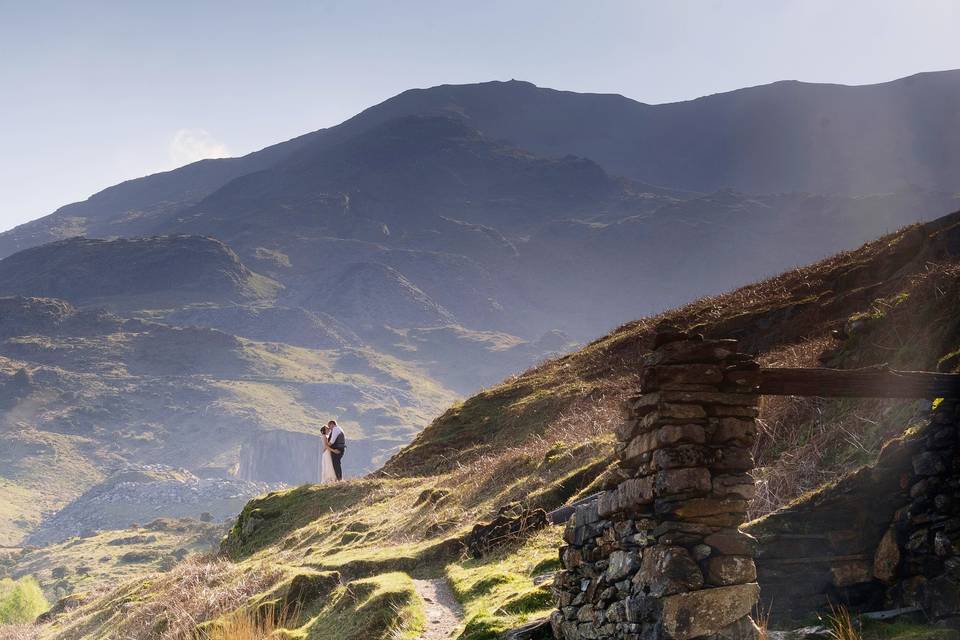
498,593
21,601
89,563
904,630
383,607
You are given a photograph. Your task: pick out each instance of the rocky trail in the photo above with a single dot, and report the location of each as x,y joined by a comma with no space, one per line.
443,612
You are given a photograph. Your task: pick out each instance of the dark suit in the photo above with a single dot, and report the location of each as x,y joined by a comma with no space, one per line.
338,445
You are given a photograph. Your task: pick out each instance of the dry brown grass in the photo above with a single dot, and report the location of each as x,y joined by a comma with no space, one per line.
587,420
196,591
842,625
19,632
249,624
169,606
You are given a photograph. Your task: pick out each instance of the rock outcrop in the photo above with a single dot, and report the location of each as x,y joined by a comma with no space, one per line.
290,457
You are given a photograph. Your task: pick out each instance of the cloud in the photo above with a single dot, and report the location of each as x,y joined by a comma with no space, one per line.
190,145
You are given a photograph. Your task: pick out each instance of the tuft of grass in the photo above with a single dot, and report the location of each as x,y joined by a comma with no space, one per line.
842,625
266,623
21,601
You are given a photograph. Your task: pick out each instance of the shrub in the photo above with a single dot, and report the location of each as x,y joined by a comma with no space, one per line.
21,601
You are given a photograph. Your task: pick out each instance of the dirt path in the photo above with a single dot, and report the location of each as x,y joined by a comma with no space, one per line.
444,613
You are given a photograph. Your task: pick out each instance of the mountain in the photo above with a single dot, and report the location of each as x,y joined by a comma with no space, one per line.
366,558
781,137
213,316
163,268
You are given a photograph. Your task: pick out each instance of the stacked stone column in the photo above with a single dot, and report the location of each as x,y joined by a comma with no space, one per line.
920,554
660,554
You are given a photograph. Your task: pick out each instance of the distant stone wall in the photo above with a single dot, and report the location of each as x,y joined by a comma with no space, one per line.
660,555
884,537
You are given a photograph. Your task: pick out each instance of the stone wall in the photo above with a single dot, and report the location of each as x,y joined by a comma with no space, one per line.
884,537
659,554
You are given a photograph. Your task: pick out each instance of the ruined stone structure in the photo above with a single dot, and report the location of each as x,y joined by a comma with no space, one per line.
660,554
884,537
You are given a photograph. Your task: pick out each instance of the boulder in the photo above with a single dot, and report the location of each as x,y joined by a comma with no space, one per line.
707,611
887,557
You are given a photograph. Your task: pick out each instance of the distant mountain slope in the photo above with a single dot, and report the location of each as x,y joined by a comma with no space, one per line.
130,207
398,178
785,136
85,270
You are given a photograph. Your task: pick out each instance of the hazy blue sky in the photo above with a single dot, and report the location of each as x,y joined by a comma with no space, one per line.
97,92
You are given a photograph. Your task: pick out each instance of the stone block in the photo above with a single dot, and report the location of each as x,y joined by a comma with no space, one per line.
733,542
635,492
733,430
666,570
886,559
623,564
665,436
697,509
687,352
742,378
681,456
712,398
707,611
851,572
738,485
664,376
672,482
731,459
725,570
734,411
640,608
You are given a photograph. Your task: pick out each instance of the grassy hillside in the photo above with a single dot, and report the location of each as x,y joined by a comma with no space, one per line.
350,552
90,563
104,392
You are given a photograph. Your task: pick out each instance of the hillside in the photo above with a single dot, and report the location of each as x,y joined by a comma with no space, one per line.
543,438
85,392
210,318
166,270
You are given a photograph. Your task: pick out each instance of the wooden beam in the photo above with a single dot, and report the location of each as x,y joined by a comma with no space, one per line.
859,383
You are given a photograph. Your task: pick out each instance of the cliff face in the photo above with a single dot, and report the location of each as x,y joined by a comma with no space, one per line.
281,456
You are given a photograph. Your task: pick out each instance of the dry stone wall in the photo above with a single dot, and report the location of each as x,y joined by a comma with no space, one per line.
660,555
928,530
884,537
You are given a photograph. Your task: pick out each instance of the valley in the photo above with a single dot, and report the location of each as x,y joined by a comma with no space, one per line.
434,273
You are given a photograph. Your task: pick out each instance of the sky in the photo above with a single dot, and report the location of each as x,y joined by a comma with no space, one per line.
94,92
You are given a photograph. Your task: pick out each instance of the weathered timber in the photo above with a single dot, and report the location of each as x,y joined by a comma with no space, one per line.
858,383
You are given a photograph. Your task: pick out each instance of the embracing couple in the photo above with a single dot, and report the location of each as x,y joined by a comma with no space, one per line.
334,443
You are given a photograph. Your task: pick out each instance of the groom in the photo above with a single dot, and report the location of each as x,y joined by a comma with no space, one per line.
337,445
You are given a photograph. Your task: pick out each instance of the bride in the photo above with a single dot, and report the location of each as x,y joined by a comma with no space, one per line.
327,473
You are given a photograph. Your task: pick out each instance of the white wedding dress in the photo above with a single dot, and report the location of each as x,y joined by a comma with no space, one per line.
326,465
